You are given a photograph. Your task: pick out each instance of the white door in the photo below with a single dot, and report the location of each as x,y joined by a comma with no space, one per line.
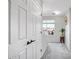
17,29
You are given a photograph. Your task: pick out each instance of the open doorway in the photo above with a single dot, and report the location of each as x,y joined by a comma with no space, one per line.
56,45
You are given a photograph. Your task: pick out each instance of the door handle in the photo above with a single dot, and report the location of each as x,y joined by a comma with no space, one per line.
29,42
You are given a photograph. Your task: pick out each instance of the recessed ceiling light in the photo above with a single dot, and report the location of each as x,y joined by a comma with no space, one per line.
56,12
53,13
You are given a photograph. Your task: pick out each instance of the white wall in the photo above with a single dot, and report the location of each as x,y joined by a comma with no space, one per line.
67,29
59,23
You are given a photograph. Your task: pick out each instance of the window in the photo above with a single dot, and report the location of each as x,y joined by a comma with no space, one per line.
48,25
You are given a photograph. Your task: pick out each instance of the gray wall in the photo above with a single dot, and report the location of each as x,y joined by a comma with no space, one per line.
59,23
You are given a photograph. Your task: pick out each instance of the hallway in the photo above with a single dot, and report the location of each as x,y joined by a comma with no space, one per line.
37,29
56,51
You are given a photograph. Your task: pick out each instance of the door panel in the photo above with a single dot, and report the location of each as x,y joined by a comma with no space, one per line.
15,57
23,54
18,26
22,23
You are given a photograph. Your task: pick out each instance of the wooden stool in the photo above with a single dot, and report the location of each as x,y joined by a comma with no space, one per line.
62,40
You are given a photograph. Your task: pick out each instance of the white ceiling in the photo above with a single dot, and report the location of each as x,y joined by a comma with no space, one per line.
50,6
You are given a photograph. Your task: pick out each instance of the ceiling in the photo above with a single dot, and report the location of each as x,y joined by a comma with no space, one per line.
55,7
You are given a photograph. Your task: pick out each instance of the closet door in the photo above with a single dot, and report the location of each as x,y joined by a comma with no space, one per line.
17,29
